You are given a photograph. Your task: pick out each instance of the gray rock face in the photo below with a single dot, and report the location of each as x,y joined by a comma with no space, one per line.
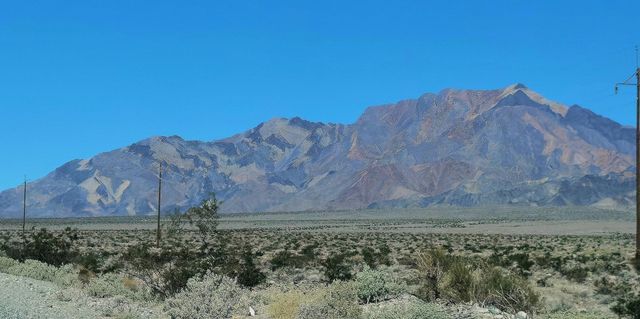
457,147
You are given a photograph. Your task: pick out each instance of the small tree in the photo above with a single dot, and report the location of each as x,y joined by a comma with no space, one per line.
249,275
205,218
166,269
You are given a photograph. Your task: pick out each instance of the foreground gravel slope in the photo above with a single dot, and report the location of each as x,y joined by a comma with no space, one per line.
22,297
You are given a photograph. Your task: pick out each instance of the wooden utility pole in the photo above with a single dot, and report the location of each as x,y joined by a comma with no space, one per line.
637,85
24,208
637,166
158,235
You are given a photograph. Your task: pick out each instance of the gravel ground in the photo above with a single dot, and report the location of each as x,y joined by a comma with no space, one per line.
22,297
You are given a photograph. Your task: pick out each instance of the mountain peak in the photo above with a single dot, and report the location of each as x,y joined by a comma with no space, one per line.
516,86
520,92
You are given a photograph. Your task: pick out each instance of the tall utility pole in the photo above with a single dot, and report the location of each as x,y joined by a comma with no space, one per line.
158,235
637,85
24,207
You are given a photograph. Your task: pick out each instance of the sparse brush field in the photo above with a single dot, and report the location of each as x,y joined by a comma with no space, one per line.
431,263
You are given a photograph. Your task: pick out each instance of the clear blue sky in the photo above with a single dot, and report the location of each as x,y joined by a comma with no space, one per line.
81,77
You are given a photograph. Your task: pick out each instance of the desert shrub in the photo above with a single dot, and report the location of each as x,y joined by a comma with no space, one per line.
523,262
458,282
336,268
286,305
432,266
285,258
612,286
506,291
64,276
573,314
90,261
338,301
120,307
165,270
308,253
575,273
368,255
374,258
111,284
458,279
250,275
211,296
45,246
628,306
374,286
408,310
72,294
6,263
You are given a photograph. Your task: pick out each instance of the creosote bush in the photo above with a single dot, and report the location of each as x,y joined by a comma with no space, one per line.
457,279
209,296
111,284
337,268
287,304
374,258
64,276
408,310
374,286
250,275
338,301
628,306
45,246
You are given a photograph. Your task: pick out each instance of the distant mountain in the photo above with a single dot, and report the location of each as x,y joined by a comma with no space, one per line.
457,147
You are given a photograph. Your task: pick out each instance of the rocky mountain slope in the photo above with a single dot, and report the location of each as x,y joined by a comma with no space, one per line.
456,147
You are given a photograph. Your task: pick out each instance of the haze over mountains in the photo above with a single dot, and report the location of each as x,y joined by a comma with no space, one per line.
456,147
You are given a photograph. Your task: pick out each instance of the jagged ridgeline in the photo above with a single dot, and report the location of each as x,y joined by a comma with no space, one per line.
457,147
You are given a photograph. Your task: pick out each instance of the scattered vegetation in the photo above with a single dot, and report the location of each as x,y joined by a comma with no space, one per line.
294,272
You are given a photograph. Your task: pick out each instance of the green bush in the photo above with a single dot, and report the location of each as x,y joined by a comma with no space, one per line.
90,261
336,268
432,265
45,246
285,258
6,263
374,286
506,291
64,276
211,296
572,314
575,273
339,301
628,306
287,305
165,270
374,258
250,275
458,283
457,279
111,285
408,310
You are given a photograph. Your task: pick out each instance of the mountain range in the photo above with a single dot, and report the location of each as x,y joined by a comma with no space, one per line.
508,146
